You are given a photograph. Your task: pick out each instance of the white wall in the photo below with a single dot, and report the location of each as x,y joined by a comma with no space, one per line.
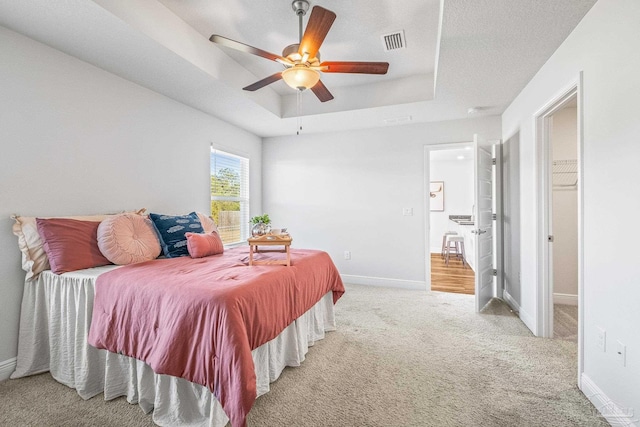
78,140
564,146
346,191
458,199
604,46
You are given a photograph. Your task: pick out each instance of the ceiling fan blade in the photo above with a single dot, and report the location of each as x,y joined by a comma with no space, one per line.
318,26
355,67
248,49
264,82
322,92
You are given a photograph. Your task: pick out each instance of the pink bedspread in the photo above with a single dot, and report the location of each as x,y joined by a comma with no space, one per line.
199,319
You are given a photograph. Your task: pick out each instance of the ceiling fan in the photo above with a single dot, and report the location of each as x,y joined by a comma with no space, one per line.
302,60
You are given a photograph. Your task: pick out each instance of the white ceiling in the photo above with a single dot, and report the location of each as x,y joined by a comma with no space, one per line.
481,54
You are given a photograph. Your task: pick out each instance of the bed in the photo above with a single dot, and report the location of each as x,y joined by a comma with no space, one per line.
57,313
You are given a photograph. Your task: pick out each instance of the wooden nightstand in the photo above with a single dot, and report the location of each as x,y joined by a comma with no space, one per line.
270,240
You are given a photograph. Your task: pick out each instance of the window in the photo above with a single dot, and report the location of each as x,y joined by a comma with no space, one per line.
230,195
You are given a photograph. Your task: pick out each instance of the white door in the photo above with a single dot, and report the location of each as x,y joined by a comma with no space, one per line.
483,232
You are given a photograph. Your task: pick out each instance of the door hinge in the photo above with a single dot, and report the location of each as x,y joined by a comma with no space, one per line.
494,217
494,161
495,272
550,239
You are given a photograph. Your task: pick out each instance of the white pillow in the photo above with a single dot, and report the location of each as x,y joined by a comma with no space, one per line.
127,239
208,224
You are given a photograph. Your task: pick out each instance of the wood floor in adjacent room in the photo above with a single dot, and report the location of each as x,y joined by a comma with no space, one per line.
453,278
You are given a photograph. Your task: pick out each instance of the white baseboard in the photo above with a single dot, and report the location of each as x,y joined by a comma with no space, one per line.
380,281
436,250
527,319
566,299
608,409
510,301
6,368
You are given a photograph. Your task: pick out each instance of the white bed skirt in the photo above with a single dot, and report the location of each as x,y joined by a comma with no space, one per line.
54,323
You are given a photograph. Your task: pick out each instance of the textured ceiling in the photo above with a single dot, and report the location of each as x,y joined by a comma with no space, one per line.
486,52
490,49
356,34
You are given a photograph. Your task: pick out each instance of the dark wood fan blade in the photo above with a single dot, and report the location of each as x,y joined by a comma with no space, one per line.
264,82
246,48
318,26
322,92
355,67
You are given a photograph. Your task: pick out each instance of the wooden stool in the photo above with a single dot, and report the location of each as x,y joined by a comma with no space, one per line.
444,241
458,248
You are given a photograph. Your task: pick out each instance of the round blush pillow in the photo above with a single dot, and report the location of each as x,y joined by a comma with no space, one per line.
128,238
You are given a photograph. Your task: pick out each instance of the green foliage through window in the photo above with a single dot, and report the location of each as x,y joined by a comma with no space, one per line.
229,195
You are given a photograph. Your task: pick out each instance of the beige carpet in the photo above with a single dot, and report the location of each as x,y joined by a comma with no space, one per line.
399,358
565,322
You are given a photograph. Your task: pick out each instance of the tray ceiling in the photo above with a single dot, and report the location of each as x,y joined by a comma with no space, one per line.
459,54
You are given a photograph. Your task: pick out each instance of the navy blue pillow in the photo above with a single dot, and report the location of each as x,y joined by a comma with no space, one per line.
171,230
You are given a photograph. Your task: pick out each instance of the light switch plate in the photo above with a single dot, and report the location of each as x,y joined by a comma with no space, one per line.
407,211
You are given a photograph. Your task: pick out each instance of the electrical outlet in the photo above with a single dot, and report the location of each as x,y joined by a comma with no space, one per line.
407,211
347,254
621,353
602,339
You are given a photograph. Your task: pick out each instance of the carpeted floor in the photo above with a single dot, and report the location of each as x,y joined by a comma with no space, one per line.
565,322
398,358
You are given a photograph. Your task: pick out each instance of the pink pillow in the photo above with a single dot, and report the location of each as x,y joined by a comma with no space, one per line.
70,244
202,245
127,239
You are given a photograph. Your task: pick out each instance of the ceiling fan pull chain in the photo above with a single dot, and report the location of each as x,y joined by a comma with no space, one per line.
299,112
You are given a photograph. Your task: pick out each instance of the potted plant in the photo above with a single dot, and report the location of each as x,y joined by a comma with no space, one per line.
261,225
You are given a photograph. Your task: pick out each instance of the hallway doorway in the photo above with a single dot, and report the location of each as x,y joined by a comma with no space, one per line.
451,201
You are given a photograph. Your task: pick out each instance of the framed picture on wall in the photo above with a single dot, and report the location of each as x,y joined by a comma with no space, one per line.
436,196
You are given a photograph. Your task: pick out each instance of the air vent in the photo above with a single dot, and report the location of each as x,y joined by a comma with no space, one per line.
394,41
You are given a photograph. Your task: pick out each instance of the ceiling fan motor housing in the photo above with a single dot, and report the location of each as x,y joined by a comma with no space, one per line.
291,52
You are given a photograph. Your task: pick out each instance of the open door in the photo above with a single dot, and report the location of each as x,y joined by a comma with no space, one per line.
483,216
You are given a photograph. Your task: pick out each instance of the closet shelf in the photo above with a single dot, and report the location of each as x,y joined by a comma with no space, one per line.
565,174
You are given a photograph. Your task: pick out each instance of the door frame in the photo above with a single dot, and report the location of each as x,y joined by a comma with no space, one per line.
498,202
427,208
544,194
498,285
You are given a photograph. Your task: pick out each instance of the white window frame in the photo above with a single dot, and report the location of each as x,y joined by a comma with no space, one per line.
243,198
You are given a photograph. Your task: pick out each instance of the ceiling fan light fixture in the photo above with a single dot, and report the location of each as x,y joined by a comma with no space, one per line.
300,78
